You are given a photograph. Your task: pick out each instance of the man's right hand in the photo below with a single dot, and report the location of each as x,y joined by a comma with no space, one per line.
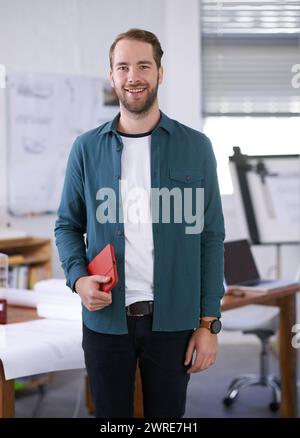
88,288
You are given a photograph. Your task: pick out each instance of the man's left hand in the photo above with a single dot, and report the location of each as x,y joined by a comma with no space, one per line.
204,344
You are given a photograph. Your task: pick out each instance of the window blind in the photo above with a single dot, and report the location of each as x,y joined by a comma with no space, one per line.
248,51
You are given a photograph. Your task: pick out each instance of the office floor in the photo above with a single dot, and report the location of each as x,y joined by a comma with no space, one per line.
65,395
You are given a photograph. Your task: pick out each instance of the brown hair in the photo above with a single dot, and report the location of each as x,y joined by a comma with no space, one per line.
139,35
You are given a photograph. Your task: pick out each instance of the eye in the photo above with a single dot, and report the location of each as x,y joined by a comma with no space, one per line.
144,67
122,68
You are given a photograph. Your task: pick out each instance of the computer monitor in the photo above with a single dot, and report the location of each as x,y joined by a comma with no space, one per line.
239,264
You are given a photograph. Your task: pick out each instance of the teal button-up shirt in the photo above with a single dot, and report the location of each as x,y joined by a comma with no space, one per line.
188,268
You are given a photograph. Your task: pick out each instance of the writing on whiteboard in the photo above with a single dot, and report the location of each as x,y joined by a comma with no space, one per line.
46,112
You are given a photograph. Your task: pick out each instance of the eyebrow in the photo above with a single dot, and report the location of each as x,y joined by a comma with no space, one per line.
139,63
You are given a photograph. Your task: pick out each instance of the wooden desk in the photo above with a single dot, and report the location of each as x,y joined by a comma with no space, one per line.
7,387
284,298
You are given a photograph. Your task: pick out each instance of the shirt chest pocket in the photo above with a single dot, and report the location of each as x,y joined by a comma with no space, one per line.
186,176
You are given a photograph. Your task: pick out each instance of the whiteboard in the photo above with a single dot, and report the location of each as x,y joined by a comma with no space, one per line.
275,197
276,201
45,113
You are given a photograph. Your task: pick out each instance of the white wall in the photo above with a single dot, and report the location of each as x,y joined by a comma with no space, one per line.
74,36
183,53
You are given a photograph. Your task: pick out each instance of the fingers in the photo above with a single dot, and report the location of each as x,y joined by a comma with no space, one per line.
207,363
99,297
97,300
100,278
189,352
202,362
91,295
95,307
102,296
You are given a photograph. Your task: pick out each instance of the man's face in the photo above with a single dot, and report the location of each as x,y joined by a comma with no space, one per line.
135,76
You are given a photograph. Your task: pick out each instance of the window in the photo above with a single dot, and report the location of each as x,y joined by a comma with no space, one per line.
250,55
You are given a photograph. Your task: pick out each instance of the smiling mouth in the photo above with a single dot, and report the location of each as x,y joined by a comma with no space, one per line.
135,90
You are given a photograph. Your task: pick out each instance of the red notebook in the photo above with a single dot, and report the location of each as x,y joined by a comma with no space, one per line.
105,264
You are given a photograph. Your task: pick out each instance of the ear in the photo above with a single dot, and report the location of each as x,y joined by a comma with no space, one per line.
111,78
160,74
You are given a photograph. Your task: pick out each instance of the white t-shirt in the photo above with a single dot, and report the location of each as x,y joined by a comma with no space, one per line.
135,194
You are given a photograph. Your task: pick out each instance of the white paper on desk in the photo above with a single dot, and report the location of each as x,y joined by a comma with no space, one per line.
30,298
269,286
40,346
8,233
54,286
19,297
60,311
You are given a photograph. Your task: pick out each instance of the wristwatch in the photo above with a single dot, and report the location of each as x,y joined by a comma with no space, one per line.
213,326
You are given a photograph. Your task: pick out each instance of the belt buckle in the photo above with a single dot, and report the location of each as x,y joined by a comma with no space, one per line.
133,314
128,311
150,304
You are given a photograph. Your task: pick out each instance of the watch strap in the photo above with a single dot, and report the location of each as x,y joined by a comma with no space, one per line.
205,324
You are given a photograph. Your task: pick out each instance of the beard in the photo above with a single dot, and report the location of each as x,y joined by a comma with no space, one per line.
138,108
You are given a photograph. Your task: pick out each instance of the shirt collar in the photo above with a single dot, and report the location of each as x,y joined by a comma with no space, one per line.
165,122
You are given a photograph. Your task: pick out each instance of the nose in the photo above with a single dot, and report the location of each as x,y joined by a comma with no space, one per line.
133,76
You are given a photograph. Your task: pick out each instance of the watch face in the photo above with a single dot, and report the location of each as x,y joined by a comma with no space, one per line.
216,326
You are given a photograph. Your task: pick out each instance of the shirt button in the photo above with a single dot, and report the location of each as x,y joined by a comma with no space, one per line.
118,177
120,233
188,178
120,288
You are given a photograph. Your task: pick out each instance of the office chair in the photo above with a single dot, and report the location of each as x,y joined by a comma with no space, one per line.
261,321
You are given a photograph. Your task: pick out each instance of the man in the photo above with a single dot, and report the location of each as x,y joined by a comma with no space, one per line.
169,276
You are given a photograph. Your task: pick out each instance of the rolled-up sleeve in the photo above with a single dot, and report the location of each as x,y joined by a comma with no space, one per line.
70,225
212,240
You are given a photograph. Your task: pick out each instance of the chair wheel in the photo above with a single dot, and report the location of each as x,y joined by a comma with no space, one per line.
274,406
227,401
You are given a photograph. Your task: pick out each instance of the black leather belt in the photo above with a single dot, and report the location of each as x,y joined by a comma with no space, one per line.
140,308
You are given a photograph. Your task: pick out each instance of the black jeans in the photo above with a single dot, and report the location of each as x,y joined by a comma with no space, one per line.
111,364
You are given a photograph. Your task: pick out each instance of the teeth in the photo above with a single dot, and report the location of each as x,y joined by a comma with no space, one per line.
136,90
